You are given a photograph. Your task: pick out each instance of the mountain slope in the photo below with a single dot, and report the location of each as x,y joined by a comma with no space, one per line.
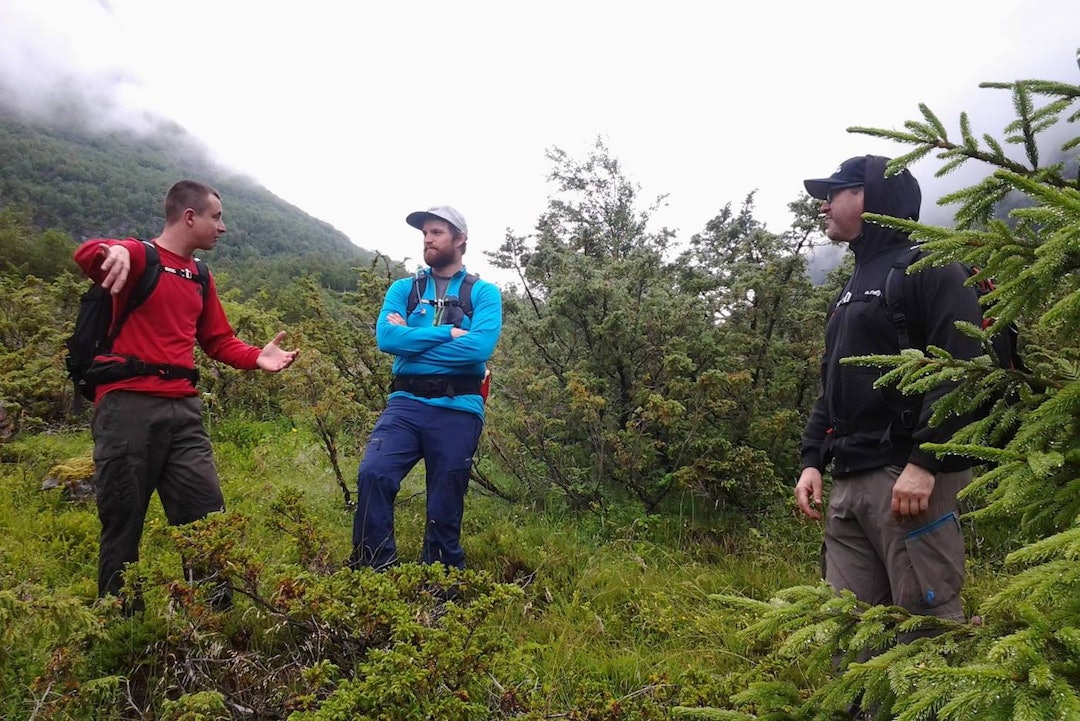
112,184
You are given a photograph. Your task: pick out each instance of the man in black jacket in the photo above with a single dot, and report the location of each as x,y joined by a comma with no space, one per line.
892,534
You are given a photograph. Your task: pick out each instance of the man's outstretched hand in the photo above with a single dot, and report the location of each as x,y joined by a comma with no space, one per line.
273,358
116,265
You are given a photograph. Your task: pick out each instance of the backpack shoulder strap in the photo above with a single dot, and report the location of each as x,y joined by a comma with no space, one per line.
419,286
204,275
200,276
147,282
894,294
465,293
149,278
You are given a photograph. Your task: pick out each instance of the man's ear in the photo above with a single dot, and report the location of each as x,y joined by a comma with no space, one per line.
189,216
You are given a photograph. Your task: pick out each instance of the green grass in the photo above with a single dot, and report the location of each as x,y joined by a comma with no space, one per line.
614,606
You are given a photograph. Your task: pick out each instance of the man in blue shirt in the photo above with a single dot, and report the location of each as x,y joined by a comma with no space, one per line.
436,410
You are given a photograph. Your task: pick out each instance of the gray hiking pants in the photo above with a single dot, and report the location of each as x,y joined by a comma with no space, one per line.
144,444
916,562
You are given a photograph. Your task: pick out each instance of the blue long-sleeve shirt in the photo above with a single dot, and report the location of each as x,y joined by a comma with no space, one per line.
423,348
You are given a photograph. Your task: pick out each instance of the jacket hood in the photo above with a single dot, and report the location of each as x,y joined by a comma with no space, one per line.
897,195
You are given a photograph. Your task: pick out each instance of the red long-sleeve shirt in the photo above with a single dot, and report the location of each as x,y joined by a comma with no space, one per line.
165,328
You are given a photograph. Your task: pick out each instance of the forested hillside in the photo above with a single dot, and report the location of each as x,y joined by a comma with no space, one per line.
98,183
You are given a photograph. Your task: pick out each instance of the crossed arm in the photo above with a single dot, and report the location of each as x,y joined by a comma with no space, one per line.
443,344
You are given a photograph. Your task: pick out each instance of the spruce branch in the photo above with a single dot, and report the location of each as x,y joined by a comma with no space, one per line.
1020,131
995,146
930,134
933,142
932,120
710,714
950,167
905,138
970,143
1043,87
911,157
1062,546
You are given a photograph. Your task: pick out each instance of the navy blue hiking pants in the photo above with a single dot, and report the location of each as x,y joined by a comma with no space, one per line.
406,432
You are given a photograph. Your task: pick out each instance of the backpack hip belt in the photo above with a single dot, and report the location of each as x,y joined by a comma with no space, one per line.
437,386
112,371
908,419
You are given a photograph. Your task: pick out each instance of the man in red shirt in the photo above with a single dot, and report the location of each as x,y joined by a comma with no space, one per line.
148,428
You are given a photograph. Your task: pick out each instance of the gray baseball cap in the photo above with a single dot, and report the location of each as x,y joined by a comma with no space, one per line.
439,212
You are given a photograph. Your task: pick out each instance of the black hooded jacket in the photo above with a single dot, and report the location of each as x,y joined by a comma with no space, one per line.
854,425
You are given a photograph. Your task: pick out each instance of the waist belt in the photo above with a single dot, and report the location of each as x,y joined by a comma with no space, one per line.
112,371
440,386
908,419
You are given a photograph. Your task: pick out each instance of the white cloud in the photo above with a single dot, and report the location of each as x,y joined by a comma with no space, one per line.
360,113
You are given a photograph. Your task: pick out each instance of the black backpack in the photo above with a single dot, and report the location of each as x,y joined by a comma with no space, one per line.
463,301
1005,343
95,330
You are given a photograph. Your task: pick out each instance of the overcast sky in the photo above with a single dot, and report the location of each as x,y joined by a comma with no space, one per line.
359,113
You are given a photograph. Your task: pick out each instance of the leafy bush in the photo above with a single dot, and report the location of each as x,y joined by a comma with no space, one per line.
626,374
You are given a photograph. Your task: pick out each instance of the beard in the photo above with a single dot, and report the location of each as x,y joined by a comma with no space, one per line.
437,258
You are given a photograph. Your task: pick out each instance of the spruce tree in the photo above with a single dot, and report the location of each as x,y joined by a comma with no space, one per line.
1019,656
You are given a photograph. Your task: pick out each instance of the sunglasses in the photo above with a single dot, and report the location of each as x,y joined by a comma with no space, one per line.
833,192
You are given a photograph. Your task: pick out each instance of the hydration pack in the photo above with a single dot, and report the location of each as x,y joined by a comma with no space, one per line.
1005,343
459,306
